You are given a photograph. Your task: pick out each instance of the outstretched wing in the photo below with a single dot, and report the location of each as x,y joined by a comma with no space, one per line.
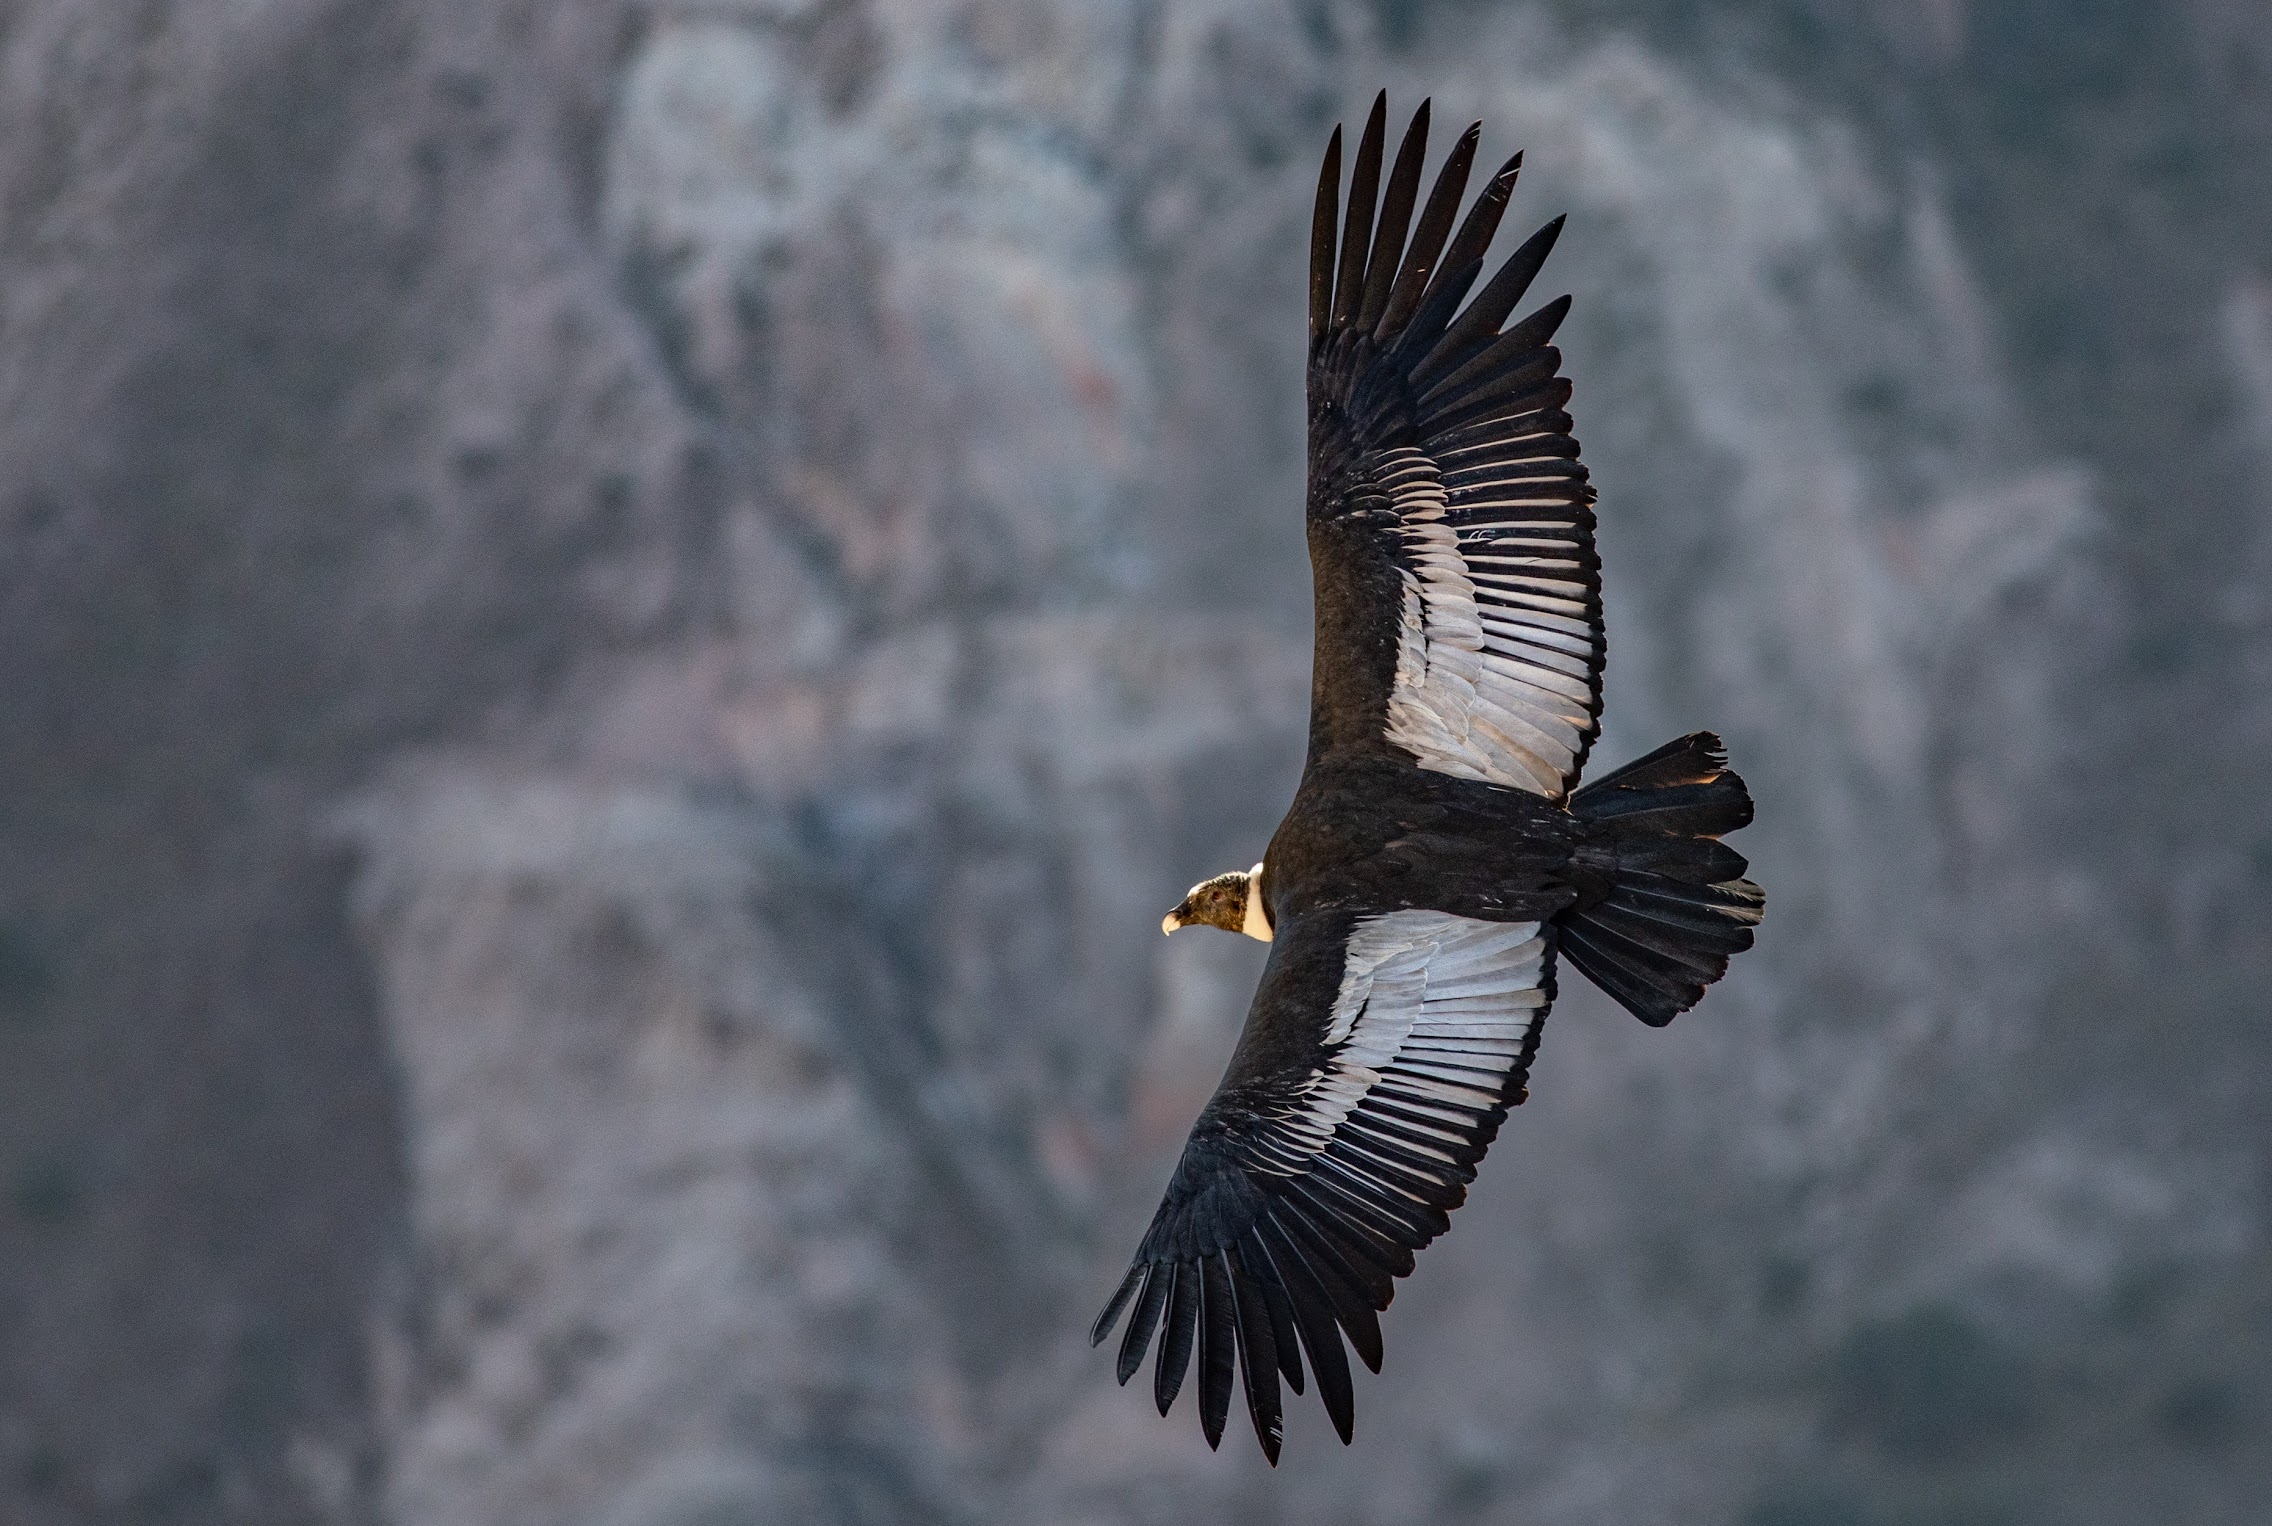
1378,1061
1451,527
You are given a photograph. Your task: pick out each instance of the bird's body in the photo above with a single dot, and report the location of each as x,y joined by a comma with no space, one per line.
1437,859
1366,833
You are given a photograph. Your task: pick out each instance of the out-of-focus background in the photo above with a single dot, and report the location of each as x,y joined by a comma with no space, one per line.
617,620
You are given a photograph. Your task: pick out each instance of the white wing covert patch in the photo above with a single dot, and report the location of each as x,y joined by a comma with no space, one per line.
1500,631
1434,1014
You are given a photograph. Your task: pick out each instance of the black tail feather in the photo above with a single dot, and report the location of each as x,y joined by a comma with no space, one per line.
1676,907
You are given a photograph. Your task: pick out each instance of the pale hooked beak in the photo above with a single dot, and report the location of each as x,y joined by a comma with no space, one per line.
1176,918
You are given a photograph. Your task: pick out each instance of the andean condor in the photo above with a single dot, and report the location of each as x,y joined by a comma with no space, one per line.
1435,861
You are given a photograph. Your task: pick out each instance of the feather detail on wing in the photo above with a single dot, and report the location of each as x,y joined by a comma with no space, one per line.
1444,436
1306,1187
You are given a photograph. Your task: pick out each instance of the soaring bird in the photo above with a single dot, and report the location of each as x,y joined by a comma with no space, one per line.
1438,858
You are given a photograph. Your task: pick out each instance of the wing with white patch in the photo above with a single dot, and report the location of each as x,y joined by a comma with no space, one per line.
1445,437
1378,1062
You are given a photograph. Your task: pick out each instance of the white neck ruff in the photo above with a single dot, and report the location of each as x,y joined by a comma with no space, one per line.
1256,923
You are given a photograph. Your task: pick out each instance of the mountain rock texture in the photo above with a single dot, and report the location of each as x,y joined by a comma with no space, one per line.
617,620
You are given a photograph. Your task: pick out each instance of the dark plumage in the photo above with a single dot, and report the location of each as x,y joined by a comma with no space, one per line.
1435,860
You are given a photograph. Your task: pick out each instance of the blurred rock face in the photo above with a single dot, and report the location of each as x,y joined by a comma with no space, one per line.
625,619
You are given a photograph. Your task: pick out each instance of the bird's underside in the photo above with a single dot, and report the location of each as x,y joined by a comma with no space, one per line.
1438,857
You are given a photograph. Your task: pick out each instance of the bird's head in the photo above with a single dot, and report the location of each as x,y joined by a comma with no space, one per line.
1231,901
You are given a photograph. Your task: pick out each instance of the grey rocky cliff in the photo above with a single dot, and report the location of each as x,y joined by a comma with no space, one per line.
621,620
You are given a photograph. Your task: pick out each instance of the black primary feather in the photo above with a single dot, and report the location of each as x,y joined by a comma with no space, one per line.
1493,303
1258,1355
1320,1334
1218,1346
1157,1279
1111,1314
1364,185
1322,219
1395,220
1180,1334
1463,261
1428,238
1278,1306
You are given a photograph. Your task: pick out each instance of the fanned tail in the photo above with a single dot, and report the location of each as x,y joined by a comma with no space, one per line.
1670,904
